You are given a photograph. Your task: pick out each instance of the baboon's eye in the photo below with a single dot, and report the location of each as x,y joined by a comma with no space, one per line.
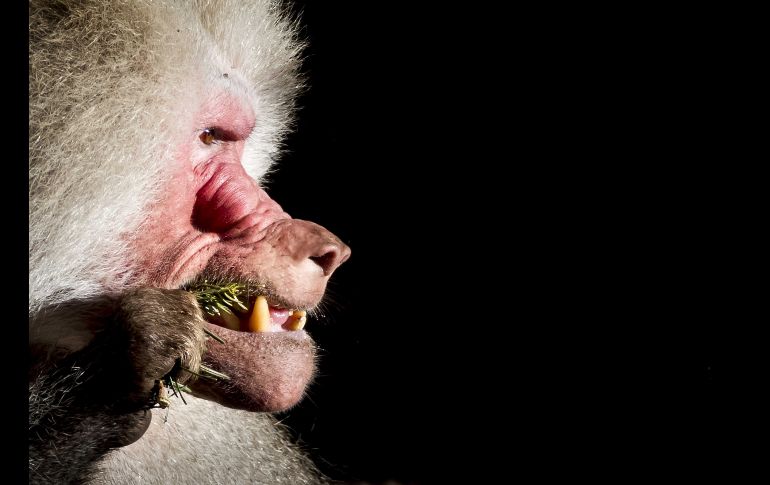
208,136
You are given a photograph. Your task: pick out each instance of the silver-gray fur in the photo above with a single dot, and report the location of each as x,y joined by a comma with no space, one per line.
205,443
110,84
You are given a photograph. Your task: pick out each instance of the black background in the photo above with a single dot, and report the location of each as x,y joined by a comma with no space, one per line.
393,135
513,197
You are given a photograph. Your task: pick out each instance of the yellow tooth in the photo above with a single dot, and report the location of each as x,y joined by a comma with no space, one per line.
259,321
230,320
297,320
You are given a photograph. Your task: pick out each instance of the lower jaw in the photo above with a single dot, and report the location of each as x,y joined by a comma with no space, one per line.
266,371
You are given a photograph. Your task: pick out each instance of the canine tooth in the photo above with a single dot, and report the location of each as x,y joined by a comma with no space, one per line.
297,320
259,321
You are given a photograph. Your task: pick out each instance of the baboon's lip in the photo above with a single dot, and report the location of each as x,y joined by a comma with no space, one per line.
263,371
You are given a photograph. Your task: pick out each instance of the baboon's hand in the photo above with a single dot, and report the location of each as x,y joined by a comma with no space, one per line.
158,331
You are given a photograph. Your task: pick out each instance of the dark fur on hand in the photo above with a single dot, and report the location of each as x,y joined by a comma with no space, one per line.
98,398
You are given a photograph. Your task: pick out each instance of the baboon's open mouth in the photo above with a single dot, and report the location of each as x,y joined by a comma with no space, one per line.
241,307
262,315
261,347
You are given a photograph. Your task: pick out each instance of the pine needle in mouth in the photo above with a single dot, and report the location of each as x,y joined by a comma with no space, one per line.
216,299
214,336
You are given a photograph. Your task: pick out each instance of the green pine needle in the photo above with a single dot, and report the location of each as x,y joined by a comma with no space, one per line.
214,336
208,373
218,298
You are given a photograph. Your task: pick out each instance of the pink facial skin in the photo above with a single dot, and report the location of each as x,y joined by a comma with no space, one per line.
218,222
